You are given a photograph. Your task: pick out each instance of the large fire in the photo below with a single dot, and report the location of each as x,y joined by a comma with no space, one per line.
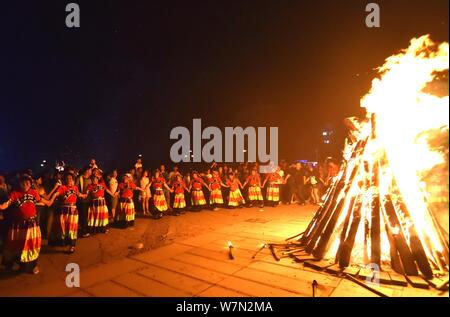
377,209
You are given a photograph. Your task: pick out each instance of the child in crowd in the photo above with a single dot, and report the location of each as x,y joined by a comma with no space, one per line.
179,187
66,215
254,189
215,184
158,184
197,197
23,240
235,198
126,214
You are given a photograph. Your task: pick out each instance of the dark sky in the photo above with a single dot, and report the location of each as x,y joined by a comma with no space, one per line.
117,85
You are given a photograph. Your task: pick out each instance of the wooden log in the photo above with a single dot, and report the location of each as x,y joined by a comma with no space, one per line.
395,258
319,215
347,245
303,258
443,285
318,265
417,282
320,222
334,269
403,249
366,238
345,226
311,239
372,289
397,279
375,223
329,225
321,247
352,270
419,254
385,278
367,273
416,246
437,282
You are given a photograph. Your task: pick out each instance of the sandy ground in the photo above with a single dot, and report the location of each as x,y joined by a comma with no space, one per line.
121,243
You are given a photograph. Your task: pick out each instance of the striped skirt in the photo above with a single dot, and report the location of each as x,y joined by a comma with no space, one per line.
126,210
98,213
159,200
198,198
273,192
216,197
235,199
23,241
179,201
254,193
66,224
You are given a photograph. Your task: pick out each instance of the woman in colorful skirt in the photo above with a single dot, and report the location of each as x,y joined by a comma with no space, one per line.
273,190
66,216
235,198
23,240
159,199
215,184
98,211
197,197
126,213
254,189
179,201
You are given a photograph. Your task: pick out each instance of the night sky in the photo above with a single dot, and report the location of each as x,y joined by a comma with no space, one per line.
116,86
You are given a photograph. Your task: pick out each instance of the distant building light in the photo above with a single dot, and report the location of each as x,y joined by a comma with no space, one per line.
327,141
44,161
42,165
324,133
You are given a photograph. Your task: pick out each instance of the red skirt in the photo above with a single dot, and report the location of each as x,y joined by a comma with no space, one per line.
98,213
159,200
197,197
126,210
179,201
254,193
23,241
216,197
67,222
235,199
273,192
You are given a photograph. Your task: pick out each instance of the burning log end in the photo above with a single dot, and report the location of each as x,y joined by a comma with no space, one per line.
230,250
263,246
314,287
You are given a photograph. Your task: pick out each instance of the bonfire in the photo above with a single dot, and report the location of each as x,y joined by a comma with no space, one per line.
378,210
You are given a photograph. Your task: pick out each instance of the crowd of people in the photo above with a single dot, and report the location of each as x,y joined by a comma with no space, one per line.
62,205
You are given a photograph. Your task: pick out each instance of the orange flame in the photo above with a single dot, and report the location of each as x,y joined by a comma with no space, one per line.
400,118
